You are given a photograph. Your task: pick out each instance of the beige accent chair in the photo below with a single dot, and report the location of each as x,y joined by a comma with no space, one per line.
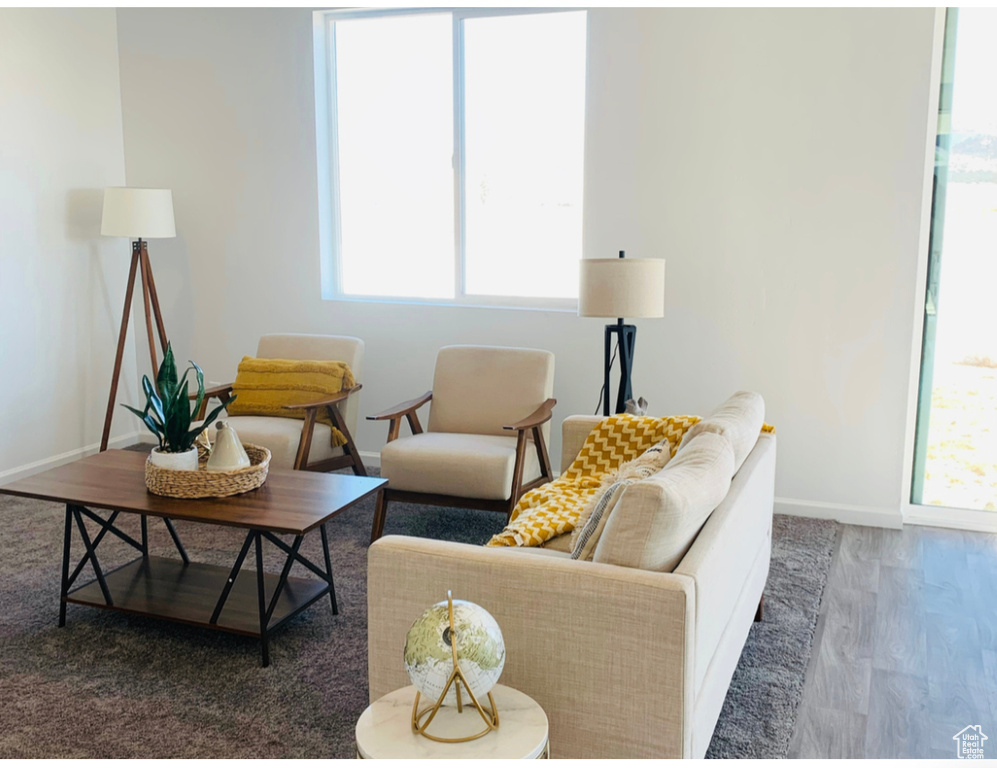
628,655
305,444
486,444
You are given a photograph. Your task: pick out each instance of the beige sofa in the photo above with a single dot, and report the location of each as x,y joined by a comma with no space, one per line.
626,662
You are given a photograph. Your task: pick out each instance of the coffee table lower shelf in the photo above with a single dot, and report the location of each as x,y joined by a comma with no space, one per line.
170,589
250,603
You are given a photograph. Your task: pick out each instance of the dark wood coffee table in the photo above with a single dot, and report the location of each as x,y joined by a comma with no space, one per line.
290,502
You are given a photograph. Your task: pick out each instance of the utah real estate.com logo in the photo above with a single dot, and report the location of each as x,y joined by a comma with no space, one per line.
969,743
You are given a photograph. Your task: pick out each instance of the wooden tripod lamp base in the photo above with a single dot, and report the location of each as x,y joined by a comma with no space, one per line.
128,210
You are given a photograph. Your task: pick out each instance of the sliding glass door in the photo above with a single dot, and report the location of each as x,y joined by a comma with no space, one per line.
955,457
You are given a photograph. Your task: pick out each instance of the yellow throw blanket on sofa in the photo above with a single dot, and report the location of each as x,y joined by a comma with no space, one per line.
554,508
264,386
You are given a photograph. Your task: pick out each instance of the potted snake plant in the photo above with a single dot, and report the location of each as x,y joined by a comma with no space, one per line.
168,414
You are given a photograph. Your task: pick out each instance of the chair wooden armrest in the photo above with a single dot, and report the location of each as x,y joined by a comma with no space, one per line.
408,410
531,425
397,411
336,418
541,415
323,403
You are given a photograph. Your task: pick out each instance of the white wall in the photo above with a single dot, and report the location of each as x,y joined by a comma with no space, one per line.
775,158
62,285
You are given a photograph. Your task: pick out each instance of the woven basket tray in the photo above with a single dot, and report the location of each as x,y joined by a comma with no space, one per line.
203,484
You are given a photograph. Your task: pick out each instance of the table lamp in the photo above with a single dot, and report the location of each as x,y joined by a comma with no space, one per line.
137,213
621,288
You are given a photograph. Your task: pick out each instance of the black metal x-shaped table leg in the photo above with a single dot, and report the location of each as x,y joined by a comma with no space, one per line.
267,607
77,513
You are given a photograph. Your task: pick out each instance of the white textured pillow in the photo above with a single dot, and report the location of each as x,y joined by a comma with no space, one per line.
593,518
740,418
656,520
588,536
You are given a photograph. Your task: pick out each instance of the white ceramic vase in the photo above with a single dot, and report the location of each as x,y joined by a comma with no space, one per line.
180,461
227,453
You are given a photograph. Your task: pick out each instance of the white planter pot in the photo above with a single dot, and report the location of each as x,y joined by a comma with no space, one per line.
180,461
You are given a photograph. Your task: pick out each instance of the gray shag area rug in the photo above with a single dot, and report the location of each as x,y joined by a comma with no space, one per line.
759,712
114,686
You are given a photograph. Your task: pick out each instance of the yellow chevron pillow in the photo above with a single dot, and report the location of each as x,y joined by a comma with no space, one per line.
265,385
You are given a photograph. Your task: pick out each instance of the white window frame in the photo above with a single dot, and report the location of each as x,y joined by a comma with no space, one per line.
327,144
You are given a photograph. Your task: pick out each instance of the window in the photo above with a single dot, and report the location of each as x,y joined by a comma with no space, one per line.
455,144
955,453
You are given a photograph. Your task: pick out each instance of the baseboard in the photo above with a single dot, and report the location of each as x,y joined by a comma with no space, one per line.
373,458
850,514
10,475
949,517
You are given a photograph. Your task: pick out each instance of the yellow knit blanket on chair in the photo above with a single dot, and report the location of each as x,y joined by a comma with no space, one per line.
553,509
265,386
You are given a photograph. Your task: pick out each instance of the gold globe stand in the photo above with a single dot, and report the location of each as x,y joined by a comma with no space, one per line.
490,716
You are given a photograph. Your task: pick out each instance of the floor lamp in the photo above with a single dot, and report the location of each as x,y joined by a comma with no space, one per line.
621,288
137,214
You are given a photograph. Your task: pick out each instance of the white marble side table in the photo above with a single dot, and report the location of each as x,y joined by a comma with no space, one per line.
385,729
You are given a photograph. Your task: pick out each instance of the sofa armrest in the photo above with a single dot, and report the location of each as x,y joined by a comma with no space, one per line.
574,430
729,562
606,651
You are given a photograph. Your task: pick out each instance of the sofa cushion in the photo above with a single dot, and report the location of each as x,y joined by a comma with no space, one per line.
453,464
740,418
656,520
562,543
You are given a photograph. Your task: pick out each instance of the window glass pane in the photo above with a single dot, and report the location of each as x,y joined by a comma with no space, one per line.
524,95
394,84
956,447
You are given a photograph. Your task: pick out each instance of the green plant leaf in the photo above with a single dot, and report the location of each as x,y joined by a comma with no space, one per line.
200,388
152,399
179,422
149,423
166,380
178,403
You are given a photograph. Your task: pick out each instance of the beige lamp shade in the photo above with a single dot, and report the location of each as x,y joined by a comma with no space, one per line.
622,288
137,213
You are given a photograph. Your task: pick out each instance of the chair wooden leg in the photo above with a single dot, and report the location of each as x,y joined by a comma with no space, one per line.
305,441
758,613
542,457
350,448
380,512
517,473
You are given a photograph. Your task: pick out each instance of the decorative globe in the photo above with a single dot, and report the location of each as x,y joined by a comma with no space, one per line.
429,651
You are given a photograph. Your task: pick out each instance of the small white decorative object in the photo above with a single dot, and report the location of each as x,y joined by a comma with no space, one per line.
187,460
227,454
455,644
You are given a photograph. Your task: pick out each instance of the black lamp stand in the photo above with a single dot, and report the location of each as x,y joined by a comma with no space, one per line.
627,338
